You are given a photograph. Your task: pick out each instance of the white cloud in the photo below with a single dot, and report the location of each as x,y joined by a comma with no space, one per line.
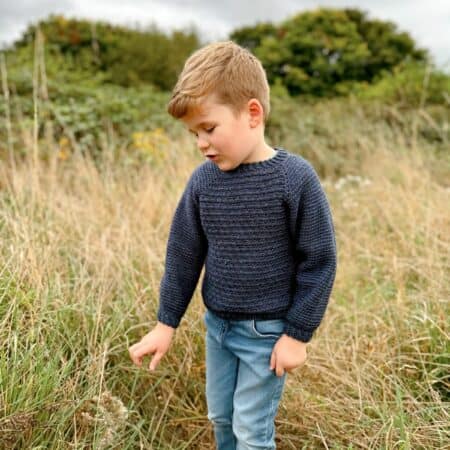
17,14
427,22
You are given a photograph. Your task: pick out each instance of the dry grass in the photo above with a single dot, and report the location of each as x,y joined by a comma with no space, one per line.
82,254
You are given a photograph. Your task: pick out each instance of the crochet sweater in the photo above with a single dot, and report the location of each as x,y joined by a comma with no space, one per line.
264,233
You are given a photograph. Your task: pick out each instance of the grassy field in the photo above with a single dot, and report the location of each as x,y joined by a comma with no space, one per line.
82,253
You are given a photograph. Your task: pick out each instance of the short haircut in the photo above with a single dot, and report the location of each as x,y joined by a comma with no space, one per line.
225,69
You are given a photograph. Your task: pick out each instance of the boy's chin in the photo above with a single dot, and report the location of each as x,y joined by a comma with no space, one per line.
225,166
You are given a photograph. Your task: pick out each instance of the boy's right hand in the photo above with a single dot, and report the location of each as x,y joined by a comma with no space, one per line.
157,341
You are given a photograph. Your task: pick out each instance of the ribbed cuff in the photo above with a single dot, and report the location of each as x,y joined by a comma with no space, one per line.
298,333
168,319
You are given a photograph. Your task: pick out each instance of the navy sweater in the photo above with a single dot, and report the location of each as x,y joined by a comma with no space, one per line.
265,234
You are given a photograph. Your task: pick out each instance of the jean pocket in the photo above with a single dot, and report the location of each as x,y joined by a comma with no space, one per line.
268,328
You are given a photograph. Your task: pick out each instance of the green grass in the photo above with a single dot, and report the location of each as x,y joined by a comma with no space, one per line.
82,254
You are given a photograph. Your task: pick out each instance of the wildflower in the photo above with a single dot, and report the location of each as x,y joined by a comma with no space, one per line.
354,180
153,144
106,411
64,148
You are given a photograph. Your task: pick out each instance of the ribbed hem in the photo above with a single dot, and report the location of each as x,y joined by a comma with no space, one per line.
297,333
231,315
281,155
168,319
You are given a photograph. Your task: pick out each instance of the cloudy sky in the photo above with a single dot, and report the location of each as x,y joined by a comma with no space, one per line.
427,21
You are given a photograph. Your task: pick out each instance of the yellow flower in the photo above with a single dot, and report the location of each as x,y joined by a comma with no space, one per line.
64,148
153,144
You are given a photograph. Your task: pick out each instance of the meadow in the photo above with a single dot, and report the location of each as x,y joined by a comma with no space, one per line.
82,248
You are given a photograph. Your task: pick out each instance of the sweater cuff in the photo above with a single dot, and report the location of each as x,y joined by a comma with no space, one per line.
298,333
168,319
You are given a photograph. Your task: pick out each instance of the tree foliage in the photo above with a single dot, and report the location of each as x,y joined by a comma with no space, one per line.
325,51
128,57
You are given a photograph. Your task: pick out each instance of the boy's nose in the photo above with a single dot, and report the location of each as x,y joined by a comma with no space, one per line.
202,143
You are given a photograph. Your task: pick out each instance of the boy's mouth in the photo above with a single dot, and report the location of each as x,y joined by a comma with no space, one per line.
212,157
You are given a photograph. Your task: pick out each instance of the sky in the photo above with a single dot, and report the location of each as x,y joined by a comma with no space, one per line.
427,21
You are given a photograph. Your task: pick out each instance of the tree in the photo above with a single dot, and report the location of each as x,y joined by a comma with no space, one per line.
325,51
125,56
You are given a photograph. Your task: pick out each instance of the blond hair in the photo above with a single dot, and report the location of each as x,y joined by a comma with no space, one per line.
225,69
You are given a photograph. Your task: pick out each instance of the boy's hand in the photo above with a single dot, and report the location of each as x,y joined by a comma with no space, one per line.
287,354
157,341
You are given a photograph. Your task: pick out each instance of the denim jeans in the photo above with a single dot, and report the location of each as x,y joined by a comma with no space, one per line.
242,393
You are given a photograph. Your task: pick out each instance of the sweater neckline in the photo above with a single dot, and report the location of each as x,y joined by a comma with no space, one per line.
279,156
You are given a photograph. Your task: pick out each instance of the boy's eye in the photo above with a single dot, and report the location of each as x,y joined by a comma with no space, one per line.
208,130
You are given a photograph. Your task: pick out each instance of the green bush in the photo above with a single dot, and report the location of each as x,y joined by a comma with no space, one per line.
409,84
125,56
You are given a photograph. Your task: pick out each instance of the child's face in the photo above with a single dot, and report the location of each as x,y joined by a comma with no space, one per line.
218,132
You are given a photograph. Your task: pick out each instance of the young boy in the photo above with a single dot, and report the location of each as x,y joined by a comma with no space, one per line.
259,219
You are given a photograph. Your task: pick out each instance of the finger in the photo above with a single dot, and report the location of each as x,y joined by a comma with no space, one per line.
279,370
132,347
272,360
131,350
138,352
155,360
136,360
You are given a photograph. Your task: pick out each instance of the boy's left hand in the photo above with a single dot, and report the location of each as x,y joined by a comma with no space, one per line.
287,354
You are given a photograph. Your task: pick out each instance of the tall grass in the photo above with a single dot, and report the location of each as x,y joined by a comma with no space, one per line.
82,253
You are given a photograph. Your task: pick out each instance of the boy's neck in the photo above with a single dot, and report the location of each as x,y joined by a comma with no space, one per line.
260,153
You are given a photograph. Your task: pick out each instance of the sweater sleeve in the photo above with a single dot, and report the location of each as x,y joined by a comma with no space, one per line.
185,255
312,229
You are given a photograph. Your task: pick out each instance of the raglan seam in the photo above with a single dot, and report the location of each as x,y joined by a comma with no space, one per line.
199,172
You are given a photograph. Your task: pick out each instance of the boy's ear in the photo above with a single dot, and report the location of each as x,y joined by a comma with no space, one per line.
255,112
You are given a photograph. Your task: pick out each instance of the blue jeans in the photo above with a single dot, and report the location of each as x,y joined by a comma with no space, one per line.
242,393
